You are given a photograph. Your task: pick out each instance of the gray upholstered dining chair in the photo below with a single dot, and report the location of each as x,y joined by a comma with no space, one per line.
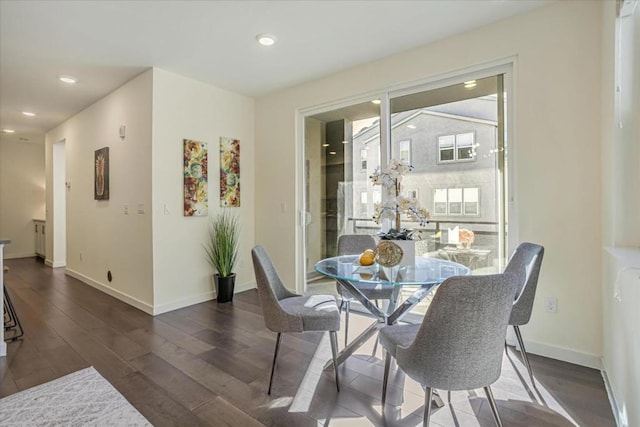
525,263
459,344
351,244
285,311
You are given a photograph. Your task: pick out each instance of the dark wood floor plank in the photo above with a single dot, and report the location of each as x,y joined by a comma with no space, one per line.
178,386
154,403
209,364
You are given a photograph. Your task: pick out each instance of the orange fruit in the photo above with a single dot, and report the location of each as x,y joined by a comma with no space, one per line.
368,257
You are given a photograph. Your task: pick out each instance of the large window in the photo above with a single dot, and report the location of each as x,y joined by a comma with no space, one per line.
456,201
456,148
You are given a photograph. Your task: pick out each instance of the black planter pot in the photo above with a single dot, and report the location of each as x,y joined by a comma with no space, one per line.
224,287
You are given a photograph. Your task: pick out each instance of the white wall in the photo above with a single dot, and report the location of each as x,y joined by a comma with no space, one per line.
556,147
58,257
621,205
99,231
22,195
187,109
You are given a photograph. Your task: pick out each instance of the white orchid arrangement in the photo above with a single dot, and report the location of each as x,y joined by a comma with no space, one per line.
396,203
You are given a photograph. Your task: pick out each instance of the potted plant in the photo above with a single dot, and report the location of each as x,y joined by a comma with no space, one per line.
222,252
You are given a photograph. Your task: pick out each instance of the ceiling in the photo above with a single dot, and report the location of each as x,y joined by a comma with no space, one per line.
106,43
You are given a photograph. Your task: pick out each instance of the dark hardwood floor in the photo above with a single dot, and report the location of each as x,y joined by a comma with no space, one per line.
209,365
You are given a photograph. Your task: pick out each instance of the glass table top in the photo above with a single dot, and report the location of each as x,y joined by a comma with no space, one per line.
424,271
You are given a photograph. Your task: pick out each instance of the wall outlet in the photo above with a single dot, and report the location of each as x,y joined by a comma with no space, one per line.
551,305
125,210
140,208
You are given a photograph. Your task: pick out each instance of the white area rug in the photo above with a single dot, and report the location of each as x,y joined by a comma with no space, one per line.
83,398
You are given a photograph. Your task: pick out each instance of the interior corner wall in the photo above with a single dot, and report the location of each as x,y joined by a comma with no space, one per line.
556,145
188,109
22,195
100,236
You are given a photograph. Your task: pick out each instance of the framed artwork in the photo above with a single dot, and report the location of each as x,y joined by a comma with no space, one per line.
229,172
101,174
196,193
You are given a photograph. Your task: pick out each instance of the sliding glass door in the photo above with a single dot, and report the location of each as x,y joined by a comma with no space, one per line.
454,138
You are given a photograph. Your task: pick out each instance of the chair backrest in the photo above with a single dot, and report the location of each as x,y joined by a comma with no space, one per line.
525,263
460,342
271,291
352,244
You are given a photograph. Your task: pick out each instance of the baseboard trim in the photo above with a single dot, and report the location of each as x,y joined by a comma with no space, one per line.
611,396
197,299
56,264
19,255
559,353
140,305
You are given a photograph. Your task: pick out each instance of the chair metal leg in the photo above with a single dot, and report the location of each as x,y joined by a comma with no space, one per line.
449,397
333,335
275,356
428,394
494,407
385,378
347,310
523,351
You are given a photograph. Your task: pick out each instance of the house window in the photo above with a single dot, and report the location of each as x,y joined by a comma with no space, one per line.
405,151
412,193
471,205
440,202
363,159
363,203
456,148
456,201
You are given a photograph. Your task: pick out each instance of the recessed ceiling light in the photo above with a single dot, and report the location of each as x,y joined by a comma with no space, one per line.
332,152
376,101
8,131
266,39
470,84
345,142
325,145
68,79
28,113
411,126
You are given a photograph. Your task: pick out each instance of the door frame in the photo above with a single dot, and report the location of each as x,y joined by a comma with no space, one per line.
506,66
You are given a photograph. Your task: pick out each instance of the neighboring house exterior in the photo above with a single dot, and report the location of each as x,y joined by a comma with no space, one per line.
452,149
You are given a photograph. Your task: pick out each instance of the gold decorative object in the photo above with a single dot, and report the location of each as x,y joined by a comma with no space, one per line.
388,254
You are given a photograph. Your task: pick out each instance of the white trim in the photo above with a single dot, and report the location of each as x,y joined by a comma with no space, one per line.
55,264
611,396
141,305
3,348
148,308
559,353
20,255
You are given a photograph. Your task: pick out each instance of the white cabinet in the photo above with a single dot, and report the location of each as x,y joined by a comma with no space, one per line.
40,241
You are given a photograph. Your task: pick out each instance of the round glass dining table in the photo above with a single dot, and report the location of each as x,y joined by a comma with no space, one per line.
420,278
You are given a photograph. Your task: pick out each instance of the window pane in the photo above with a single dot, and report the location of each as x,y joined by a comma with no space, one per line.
440,208
464,144
471,206
455,201
363,159
446,148
405,151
